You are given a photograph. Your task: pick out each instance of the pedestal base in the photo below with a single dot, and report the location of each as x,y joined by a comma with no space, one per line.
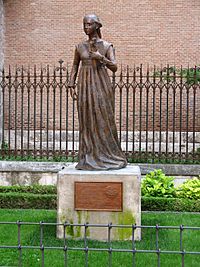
99,197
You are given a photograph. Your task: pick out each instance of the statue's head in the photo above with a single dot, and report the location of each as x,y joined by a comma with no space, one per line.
91,23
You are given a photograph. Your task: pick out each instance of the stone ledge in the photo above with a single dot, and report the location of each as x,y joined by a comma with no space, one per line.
45,173
27,166
171,169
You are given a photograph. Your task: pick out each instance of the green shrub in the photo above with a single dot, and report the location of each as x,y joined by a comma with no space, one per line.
170,204
27,201
189,75
157,184
34,189
189,189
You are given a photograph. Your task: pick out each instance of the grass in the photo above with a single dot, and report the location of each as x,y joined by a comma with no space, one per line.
30,236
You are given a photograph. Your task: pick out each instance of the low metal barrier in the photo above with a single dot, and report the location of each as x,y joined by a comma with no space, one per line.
109,247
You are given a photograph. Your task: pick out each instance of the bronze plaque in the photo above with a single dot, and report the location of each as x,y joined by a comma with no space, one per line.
101,196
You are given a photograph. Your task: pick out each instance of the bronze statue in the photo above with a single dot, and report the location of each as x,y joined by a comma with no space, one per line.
99,148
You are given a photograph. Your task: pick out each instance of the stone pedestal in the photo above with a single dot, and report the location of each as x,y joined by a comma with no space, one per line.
99,197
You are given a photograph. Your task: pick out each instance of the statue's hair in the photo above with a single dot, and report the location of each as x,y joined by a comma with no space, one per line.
97,21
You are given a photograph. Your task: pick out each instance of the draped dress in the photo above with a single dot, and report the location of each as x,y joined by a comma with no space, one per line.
99,147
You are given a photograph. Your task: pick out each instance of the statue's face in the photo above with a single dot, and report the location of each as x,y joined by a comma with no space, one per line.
89,25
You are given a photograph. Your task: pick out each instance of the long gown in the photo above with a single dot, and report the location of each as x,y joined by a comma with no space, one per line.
99,148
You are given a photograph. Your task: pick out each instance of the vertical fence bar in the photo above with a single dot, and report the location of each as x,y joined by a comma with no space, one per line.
181,246
9,109
54,109
47,136
65,245
16,110
67,114
153,112
167,115
41,107
160,114
157,245
147,112
28,115
133,129
194,112
127,108
19,243
22,112
41,242
194,122
34,112
120,105
187,120
61,86
133,245
85,245
174,115
180,119
110,247
140,112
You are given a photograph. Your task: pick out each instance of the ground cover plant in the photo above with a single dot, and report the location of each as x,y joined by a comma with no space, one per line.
159,193
30,235
157,184
189,189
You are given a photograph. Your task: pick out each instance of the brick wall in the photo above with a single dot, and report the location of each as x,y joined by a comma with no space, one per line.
143,31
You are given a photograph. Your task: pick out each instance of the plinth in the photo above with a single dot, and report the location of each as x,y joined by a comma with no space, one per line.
99,198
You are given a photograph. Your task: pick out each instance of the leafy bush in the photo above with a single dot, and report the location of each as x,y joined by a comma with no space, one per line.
189,189
157,184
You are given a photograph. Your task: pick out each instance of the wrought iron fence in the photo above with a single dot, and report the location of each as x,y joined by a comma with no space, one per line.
81,250
156,109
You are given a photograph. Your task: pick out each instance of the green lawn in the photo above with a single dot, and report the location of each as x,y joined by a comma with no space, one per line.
30,236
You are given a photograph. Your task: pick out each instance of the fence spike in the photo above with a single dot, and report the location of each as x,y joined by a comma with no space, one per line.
134,73
140,73
148,72
154,74
127,74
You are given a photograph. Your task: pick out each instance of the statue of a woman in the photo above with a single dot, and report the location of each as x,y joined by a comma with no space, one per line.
99,148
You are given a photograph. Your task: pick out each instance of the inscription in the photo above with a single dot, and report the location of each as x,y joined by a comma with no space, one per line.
101,196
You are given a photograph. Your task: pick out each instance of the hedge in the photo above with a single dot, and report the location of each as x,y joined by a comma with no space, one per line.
169,204
15,200
34,189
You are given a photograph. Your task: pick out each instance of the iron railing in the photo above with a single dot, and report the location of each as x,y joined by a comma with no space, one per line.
81,250
157,113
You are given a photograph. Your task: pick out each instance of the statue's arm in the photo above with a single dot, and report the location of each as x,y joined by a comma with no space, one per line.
109,59
74,70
